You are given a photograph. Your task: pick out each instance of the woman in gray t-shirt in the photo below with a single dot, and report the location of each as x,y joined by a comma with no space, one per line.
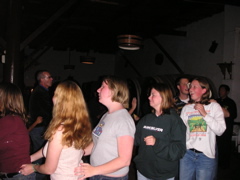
113,137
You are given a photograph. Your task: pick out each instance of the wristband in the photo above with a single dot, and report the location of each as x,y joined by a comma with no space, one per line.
33,166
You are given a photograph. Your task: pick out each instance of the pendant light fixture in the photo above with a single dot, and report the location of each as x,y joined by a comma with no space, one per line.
69,66
87,59
129,42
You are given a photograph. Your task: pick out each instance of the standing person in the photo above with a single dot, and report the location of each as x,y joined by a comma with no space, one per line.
230,113
68,134
204,120
14,138
161,137
111,150
40,105
182,97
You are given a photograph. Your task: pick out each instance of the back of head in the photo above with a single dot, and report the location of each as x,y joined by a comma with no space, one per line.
67,96
11,101
166,95
119,88
70,110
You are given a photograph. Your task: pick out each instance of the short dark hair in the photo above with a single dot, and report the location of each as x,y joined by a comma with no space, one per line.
226,87
39,75
177,81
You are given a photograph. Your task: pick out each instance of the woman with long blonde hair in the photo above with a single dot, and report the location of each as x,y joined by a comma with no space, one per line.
68,134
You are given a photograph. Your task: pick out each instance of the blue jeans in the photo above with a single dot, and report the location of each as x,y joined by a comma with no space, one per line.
197,166
101,177
142,177
37,138
38,142
22,177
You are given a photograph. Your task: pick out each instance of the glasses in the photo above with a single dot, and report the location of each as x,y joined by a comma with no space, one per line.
48,77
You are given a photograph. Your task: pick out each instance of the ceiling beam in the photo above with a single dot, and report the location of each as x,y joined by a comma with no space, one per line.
45,25
167,55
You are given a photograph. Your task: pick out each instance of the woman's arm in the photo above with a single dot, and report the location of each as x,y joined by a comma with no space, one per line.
38,121
174,148
53,153
125,147
133,107
88,149
37,155
215,119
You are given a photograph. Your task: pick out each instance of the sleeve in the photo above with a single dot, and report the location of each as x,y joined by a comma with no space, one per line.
125,126
183,115
43,107
233,110
176,148
215,119
137,138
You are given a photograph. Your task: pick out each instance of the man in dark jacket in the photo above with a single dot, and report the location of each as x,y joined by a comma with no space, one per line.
230,113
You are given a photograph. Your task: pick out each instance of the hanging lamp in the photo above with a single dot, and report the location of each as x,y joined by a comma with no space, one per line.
69,66
87,59
129,42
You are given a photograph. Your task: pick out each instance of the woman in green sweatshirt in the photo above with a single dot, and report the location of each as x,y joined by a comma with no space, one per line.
161,137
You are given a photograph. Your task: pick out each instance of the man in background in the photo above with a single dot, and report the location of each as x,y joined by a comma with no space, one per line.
230,113
40,107
182,96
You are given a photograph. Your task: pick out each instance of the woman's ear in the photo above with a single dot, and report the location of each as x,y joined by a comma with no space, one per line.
204,90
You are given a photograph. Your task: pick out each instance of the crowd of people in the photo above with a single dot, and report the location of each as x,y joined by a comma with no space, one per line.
177,140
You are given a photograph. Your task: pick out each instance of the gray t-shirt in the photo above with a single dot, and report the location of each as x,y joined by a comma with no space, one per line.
105,134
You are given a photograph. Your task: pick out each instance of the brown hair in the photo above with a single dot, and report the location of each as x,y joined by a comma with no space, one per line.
11,101
70,110
167,97
119,88
204,85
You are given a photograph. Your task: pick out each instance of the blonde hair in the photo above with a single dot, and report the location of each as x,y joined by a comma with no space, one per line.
11,101
119,88
70,110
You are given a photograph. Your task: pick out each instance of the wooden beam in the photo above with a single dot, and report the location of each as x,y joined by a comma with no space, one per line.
167,55
46,24
130,64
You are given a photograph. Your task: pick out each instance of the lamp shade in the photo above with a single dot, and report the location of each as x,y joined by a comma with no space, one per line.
87,59
129,42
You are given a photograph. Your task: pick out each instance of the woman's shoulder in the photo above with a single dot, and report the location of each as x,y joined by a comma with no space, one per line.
12,119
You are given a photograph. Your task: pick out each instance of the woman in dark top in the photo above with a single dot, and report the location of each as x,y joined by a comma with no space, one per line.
161,137
14,138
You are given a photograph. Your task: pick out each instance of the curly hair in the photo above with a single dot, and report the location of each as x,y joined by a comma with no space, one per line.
70,110
11,101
